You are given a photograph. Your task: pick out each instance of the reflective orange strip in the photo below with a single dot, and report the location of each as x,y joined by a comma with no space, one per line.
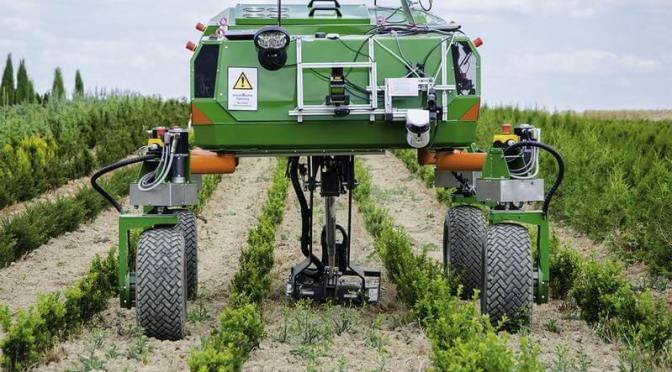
473,113
198,117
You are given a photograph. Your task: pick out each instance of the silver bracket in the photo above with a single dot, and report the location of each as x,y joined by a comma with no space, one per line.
510,191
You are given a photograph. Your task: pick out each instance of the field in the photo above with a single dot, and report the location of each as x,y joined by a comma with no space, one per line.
59,311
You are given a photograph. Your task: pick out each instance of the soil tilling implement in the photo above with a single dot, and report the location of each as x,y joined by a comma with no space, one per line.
321,83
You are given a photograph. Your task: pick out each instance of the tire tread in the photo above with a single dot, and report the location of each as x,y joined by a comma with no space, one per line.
508,276
160,283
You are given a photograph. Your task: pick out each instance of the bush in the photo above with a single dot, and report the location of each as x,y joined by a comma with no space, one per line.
36,329
605,297
208,187
564,268
595,282
227,350
43,147
599,288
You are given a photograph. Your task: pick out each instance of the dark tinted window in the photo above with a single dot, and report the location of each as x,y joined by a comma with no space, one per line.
205,73
464,61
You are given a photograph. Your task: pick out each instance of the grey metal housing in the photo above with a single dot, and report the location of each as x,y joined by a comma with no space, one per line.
166,195
510,191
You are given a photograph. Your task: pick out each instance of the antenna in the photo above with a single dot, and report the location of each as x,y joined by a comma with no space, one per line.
408,10
279,12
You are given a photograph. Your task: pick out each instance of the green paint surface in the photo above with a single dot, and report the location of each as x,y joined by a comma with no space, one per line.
271,128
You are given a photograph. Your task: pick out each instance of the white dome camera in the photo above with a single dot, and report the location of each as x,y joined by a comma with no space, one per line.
418,128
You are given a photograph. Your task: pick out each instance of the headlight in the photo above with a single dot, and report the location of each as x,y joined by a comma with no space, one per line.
271,37
272,42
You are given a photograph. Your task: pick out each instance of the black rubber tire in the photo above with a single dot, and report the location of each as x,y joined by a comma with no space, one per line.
508,277
464,233
187,223
160,284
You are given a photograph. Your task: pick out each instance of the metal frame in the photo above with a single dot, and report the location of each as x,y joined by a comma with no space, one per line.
323,279
320,110
373,88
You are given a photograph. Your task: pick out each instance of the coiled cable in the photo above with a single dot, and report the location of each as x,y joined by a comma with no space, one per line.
559,160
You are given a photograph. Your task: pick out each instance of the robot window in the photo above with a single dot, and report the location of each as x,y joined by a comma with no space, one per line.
465,63
205,71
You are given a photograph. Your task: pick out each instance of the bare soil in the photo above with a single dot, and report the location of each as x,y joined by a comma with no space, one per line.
384,338
57,264
64,191
415,208
402,347
112,339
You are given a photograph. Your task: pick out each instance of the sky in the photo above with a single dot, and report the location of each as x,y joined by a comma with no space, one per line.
552,54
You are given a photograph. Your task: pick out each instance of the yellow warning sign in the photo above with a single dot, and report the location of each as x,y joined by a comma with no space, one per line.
243,87
243,83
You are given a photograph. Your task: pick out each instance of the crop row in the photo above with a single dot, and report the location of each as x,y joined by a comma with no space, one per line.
43,147
617,185
462,339
27,231
54,316
603,295
606,300
241,325
36,330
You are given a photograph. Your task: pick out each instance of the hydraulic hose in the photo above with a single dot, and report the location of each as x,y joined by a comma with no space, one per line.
110,168
558,159
306,225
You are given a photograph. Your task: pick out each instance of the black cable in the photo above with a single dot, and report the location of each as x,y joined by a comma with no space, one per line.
306,226
110,168
558,159
431,51
354,51
393,13
359,50
347,83
426,9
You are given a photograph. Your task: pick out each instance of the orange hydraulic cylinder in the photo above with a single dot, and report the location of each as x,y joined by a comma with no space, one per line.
455,160
208,162
458,161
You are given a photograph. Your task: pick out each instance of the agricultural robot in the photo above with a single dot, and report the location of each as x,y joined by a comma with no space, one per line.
321,82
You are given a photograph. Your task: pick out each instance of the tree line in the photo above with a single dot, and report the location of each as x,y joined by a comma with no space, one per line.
22,89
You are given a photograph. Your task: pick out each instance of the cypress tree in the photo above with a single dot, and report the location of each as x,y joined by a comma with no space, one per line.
79,85
58,89
23,93
31,90
7,85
